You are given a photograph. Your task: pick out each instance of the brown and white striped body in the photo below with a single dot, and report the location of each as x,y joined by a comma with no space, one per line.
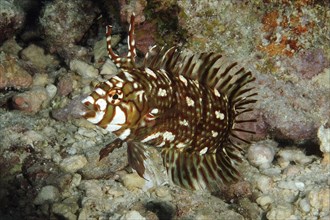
184,105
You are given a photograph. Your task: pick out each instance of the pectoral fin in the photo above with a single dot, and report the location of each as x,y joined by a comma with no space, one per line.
117,143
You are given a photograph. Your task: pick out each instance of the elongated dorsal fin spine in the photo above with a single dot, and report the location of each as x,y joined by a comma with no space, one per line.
127,62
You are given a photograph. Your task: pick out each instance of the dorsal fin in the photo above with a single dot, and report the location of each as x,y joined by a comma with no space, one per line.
214,71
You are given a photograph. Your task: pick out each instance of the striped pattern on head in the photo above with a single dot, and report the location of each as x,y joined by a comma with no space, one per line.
117,104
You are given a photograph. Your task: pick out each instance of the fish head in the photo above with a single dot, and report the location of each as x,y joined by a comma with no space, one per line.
117,103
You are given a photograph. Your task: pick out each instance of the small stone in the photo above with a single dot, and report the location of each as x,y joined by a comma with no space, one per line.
264,183
11,19
132,215
83,69
109,68
264,201
261,154
66,209
65,86
319,200
51,91
279,212
133,181
324,137
41,80
74,163
47,194
304,205
292,155
291,185
11,47
30,101
36,55
87,132
76,179
12,75
162,192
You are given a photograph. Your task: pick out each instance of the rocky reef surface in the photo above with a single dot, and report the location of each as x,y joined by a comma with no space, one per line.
51,52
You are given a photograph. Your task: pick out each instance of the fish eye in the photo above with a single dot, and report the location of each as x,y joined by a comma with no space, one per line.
115,96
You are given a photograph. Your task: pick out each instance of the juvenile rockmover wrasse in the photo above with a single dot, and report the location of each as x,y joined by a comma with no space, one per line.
185,105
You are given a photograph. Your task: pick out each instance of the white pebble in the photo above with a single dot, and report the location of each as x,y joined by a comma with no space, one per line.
265,201
51,90
304,205
324,137
261,154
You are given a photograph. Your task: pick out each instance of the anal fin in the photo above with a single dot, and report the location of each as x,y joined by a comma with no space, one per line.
144,162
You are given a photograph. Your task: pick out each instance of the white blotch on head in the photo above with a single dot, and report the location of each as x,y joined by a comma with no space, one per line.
100,92
151,137
216,92
168,136
181,145
184,80
118,59
214,133
162,92
190,102
109,83
219,115
119,117
154,111
97,118
203,151
112,128
135,85
102,104
125,134
88,99
119,85
128,76
117,79
139,94
184,122
150,73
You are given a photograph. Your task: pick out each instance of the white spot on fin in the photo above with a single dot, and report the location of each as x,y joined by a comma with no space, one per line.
219,115
190,102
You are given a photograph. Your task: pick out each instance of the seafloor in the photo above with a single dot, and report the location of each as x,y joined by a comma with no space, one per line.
51,52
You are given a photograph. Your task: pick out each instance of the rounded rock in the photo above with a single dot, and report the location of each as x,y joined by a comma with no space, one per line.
261,154
74,163
83,69
324,137
47,194
132,215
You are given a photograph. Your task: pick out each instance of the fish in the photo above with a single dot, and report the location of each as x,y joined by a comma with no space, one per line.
187,106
